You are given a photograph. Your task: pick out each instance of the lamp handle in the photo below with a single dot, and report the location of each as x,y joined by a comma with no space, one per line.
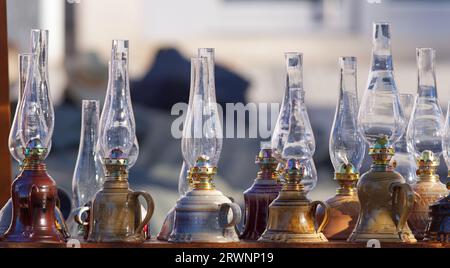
403,198
326,216
60,223
223,214
150,208
79,216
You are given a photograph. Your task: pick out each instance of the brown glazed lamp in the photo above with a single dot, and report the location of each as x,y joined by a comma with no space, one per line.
6,214
438,230
292,216
34,197
259,196
115,212
344,206
386,200
429,189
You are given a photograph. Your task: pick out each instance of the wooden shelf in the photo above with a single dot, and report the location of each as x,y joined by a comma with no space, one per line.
243,244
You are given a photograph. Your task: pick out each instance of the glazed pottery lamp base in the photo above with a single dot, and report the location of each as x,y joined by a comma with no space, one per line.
386,200
429,189
202,215
115,212
292,215
260,195
34,218
344,206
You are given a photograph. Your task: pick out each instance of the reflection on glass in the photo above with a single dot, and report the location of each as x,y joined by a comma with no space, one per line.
202,132
406,163
14,143
36,109
446,138
86,180
346,144
380,114
425,129
117,120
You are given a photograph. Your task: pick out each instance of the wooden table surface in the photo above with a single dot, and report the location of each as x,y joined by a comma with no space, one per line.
243,244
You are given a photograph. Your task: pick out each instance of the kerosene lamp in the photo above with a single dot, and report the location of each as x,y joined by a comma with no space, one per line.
424,137
292,216
347,150
115,212
438,228
209,96
201,215
34,192
385,198
260,195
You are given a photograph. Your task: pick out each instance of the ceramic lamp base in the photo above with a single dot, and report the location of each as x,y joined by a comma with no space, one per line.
257,201
33,217
344,210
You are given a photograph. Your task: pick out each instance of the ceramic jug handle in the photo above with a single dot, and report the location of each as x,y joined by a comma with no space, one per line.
79,216
402,208
223,214
326,216
60,223
150,208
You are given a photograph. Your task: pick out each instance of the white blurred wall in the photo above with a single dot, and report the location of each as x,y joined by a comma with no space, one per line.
249,36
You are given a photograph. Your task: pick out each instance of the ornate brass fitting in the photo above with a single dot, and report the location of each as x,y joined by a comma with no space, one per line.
267,165
427,166
202,174
293,175
382,152
347,177
292,214
34,154
116,168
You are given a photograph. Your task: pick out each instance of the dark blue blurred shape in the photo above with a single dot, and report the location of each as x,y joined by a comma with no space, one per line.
168,80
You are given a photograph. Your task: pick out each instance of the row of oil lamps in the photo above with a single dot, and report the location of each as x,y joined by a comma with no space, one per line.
379,205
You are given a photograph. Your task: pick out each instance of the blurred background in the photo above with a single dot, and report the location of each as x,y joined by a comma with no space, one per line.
250,37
